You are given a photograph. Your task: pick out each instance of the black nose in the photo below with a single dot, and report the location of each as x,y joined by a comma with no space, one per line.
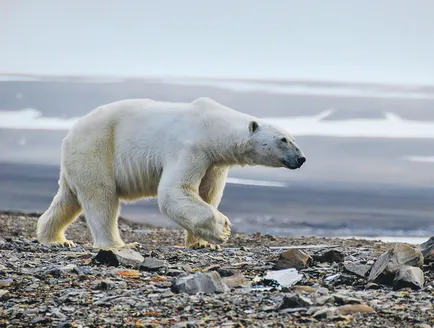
301,160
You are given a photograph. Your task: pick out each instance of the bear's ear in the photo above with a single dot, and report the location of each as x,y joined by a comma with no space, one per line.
253,126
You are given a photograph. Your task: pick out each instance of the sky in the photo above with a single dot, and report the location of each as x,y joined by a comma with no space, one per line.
388,41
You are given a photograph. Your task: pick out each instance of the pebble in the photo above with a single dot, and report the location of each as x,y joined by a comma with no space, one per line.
90,294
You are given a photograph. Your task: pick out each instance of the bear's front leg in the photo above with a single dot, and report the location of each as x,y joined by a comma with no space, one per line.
211,191
179,199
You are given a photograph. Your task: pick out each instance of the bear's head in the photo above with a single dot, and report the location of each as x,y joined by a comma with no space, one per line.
274,147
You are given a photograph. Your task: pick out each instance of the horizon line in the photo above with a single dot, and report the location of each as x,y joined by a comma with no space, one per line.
312,82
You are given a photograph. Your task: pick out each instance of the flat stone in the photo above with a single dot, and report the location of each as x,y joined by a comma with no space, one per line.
200,282
284,278
126,257
330,256
360,270
153,264
388,264
293,258
408,276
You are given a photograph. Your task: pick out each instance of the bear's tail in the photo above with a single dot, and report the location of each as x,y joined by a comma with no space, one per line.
62,211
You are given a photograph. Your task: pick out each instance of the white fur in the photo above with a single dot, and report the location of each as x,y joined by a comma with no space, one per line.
178,152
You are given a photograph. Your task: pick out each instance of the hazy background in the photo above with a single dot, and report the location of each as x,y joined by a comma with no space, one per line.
353,81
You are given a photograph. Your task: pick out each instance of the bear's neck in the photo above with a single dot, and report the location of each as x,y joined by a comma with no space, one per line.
234,149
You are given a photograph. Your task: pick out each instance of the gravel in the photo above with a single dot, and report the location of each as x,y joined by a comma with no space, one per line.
162,284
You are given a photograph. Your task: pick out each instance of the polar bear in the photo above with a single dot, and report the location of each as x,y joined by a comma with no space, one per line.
177,152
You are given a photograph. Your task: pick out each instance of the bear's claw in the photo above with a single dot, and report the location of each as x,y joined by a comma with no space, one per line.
61,243
204,244
132,245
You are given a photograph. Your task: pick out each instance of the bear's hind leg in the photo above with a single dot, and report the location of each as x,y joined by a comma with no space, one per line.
52,224
101,209
211,191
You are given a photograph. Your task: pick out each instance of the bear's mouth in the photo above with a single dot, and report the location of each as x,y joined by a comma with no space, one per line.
290,165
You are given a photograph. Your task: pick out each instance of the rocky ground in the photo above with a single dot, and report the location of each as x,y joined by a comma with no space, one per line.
255,281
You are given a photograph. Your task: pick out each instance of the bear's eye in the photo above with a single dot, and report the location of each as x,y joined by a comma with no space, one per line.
284,140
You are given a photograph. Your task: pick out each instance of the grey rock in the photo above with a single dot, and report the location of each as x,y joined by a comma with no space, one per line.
293,258
326,313
293,310
360,270
200,282
39,320
408,276
295,301
388,264
152,264
126,257
322,300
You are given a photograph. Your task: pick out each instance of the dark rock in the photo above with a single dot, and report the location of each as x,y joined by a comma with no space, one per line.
174,272
385,268
3,294
152,264
330,256
293,258
125,257
343,299
227,272
372,285
408,276
295,301
200,282
108,284
427,249
360,270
